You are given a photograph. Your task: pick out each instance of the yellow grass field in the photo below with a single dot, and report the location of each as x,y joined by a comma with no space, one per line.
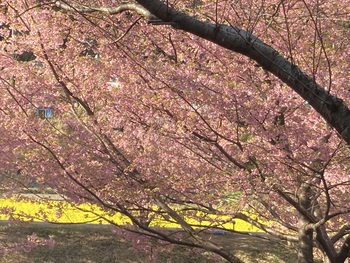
51,211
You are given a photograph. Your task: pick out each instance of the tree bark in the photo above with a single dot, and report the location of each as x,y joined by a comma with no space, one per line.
344,251
305,234
331,108
305,247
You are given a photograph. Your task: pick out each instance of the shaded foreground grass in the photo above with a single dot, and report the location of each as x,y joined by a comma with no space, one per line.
90,244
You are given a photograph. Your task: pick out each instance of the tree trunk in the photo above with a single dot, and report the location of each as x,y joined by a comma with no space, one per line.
326,259
305,244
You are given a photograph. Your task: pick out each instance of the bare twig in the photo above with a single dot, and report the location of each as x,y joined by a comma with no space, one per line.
127,31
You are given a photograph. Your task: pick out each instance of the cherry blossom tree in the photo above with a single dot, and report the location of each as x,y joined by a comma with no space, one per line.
205,110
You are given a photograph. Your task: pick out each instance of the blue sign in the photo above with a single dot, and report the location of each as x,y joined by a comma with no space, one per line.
45,112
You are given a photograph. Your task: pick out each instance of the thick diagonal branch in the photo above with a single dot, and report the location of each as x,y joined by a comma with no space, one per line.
109,10
331,108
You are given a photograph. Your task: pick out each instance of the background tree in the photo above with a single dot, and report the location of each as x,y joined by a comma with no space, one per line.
148,119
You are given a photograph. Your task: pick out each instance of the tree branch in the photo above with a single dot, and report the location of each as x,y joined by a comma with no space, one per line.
344,251
267,229
109,10
345,230
331,108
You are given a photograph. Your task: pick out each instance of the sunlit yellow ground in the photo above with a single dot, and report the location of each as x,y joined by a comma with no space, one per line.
51,211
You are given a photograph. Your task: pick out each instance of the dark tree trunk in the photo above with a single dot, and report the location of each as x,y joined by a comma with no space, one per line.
305,245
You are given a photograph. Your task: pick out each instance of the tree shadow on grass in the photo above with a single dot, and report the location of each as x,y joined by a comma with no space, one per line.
257,249
90,244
